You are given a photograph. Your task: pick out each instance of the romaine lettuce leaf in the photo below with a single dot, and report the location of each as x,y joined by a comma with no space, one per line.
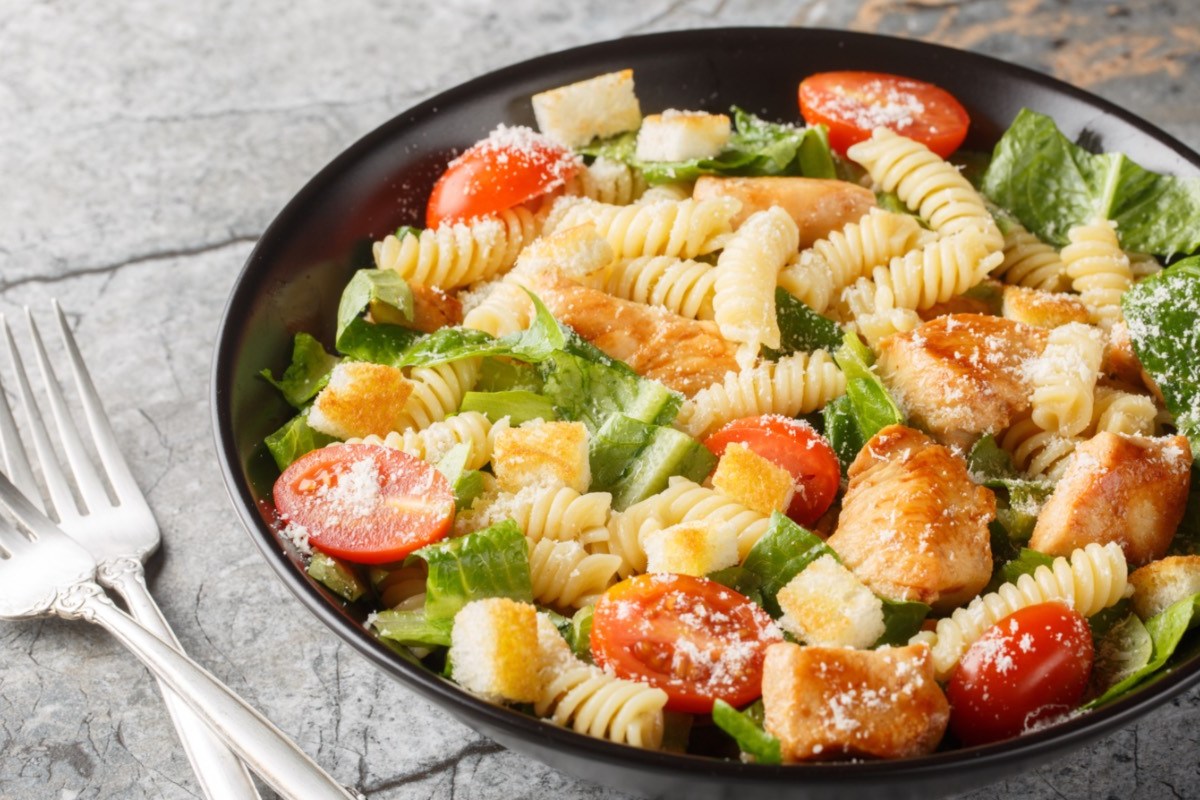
802,330
411,627
902,620
1020,499
505,375
307,374
294,439
373,285
782,552
865,409
1165,630
518,405
467,484
376,342
1051,184
580,636
748,733
1026,563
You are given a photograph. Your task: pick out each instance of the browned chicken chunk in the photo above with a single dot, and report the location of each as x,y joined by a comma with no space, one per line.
432,309
829,703
685,354
961,375
913,526
819,206
1121,362
1042,309
1131,490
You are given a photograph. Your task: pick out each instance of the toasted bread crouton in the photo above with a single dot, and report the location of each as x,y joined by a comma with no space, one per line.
818,205
753,481
691,548
682,135
1131,490
913,525
360,399
1163,583
830,703
1042,309
577,113
542,453
961,375
493,648
579,253
826,605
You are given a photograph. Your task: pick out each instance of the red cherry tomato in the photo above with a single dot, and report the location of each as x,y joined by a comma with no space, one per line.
691,637
365,503
852,104
795,446
1030,667
506,169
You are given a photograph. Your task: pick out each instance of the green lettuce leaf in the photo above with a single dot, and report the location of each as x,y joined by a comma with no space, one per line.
741,580
518,405
368,286
580,635
1019,499
865,409
1026,563
1166,631
1163,315
376,342
411,627
294,439
802,330
902,620
780,555
1123,650
467,484
338,576
504,375
307,374
748,733
1051,184
493,562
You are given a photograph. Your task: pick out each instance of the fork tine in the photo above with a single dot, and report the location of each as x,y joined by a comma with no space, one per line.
16,462
107,447
26,513
87,480
56,483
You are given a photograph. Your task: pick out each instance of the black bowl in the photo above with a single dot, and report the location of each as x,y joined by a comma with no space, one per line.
293,278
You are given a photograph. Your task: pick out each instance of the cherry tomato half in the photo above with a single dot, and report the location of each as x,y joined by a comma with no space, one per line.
365,503
795,446
691,637
852,104
1030,667
506,169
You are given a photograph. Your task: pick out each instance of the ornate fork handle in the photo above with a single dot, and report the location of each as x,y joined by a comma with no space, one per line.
264,748
219,772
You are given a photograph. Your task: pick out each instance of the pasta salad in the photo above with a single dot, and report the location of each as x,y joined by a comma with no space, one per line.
852,442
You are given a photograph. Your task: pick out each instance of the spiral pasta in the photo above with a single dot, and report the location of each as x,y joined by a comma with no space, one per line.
832,264
795,384
682,286
590,701
565,575
1036,451
1094,578
437,392
461,253
1030,262
926,184
1064,378
1098,269
1117,411
503,309
403,587
557,513
685,229
470,428
666,191
608,181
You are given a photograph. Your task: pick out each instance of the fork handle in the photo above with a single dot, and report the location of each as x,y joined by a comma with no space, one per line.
263,747
218,771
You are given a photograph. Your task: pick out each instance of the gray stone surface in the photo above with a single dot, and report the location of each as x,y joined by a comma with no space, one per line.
145,144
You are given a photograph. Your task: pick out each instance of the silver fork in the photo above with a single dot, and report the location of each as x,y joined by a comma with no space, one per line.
45,572
118,535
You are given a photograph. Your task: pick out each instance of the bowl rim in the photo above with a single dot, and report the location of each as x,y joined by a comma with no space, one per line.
1071,733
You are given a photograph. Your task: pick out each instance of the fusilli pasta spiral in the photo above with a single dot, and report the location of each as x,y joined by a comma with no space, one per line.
403,587
681,286
1030,262
1037,452
461,253
608,181
591,701
1093,579
558,513
437,393
666,191
685,229
1099,269
504,309
470,428
1117,411
565,575
795,384
1064,379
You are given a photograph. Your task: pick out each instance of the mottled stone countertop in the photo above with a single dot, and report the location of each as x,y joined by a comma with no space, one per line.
145,144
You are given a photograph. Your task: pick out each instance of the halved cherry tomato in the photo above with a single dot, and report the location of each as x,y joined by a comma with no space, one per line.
852,104
365,503
691,637
506,169
1030,667
795,446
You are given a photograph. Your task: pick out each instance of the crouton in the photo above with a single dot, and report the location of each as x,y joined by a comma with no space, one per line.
542,454
818,205
961,375
826,605
1042,309
691,548
360,399
826,703
493,648
913,525
598,107
579,253
1131,490
1162,583
753,481
682,135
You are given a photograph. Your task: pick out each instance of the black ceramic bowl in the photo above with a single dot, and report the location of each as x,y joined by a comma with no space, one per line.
296,273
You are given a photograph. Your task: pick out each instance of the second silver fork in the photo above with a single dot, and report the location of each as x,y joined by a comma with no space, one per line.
120,534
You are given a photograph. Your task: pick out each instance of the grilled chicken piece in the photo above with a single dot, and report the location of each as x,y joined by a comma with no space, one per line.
961,375
819,206
913,526
432,309
985,298
1121,362
1131,490
829,703
685,354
